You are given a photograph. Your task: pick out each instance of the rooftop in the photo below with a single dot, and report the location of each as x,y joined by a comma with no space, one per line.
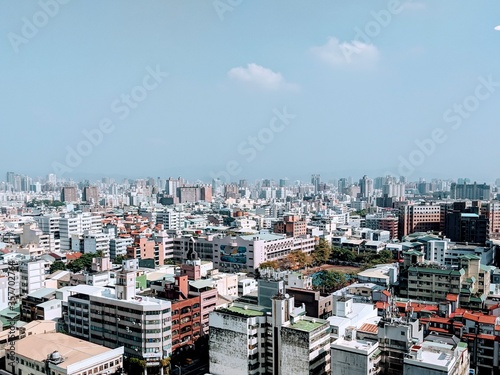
247,310
73,350
263,237
307,325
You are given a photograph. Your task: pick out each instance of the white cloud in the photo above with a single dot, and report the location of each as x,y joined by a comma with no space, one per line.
497,28
342,54
261,77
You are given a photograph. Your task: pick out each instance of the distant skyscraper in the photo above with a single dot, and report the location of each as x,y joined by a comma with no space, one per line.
10,178
51,178
172,185
470,191
90,194
342,185
69,194
284,182
366,186
315,180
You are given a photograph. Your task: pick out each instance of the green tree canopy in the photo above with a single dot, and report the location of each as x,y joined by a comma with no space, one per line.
329,281
270,264
82,263
322,252
57,266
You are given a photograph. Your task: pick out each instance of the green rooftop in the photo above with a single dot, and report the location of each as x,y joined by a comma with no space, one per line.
247,312
306,325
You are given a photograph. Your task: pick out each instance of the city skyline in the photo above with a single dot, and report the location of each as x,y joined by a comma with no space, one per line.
373,87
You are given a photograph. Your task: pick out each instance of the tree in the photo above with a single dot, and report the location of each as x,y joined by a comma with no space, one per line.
57,266
270,264
82,263
136,365
299,260
119,259
386,256
328,281
322,252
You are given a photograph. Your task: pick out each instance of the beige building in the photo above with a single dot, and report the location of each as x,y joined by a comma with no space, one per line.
59,354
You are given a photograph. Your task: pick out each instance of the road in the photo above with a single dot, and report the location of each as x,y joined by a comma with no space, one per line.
195,368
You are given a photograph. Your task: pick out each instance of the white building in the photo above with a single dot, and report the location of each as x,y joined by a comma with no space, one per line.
49,225
119,317
246,253
351,356
118,246
60,354
32,276
77,223
95,242
434,358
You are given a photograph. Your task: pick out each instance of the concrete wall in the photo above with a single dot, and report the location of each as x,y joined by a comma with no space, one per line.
228,344
294,352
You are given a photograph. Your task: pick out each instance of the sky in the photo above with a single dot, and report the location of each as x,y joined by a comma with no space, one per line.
248,89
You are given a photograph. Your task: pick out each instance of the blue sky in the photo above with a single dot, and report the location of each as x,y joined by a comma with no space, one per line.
366,83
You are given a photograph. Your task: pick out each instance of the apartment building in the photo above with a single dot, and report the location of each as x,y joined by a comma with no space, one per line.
420,281
492,211
41,305
49,225
69,194
77,224
420,218
291,226
170,219
96,243
90,194
114,318
145,247
396,336
385,222
32,276
437,359
353,356
248,339
471,191
186,313
118,246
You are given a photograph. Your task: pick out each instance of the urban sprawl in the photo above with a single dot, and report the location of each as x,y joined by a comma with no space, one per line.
273,277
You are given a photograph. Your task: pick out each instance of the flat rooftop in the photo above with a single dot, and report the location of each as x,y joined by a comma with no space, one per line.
434,354
360,345
249,311
73,350
306,325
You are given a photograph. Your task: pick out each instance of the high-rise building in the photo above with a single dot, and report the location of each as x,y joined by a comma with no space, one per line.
90,194
251,339
420,218
342,185
114,318
366,186
470,191
316,180
69,194
291,225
